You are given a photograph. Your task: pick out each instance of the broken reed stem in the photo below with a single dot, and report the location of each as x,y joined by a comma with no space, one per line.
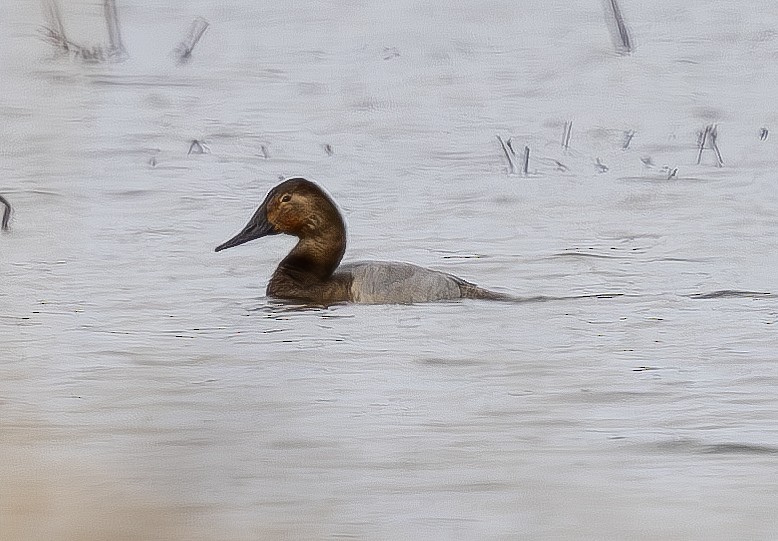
196,147
566,135
712,138
55,32
703,140
196,31
115,41
6,213
628,139
621,26
202,27
525,168
509,142
508,153
709,137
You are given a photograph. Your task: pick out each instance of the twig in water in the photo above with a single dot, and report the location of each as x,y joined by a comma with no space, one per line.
263,150
628,135
508,155
672,173
328,149
197,147
54,33
712,138
566,134
391,52
551,161
625,41
196,31
763,134
525,168
115,41
509,142
708,136
6,213
703,138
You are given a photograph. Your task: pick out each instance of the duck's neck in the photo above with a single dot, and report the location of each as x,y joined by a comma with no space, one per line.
315,257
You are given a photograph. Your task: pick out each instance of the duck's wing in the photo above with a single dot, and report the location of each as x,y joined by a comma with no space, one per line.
378,282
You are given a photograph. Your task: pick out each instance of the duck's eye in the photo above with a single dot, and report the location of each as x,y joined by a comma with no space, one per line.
286,198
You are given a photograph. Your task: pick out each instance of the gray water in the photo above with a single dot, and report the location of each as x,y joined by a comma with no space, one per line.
150,390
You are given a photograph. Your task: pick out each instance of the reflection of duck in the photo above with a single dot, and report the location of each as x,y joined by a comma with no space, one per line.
310,272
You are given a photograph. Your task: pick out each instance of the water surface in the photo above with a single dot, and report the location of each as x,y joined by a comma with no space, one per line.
149,388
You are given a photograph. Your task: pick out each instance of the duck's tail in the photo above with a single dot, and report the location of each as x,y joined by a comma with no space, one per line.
472,291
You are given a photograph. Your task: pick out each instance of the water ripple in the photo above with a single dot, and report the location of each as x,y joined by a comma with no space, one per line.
730,293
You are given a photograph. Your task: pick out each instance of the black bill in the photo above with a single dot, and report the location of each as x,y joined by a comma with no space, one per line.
257,227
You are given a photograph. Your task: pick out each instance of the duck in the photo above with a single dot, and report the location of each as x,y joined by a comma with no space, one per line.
312,272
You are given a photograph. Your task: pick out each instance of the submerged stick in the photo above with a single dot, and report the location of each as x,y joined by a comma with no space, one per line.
560,166
509,142
55,31
197,147
712,138
525,168
6,213
196,31
708,137
115,41
566,134
628,135
621,27
703,140
508,153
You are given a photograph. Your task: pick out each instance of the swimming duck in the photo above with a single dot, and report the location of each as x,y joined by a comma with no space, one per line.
312,272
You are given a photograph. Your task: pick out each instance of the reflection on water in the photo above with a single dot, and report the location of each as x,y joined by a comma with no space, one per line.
149,390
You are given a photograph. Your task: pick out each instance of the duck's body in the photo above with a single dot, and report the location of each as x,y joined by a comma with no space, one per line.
386,282
311,272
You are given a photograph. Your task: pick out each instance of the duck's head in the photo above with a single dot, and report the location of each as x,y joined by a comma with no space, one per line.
296,207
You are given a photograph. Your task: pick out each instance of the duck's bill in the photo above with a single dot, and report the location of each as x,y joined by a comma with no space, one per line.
257,227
